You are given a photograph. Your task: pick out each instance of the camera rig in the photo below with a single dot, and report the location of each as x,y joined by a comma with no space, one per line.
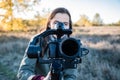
62,53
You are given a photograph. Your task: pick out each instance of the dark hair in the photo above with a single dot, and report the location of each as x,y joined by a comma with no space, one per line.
58,10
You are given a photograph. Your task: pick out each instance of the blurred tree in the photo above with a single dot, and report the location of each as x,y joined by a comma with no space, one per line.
115,24
97,21
118,23
27,7
7,17
9,7
8,21
83,21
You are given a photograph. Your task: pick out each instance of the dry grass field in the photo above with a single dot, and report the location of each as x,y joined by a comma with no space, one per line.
102,62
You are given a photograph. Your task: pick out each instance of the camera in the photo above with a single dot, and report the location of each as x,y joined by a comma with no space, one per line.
60,49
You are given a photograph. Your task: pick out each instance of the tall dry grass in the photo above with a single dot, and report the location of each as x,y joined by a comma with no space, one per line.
12,47
102,63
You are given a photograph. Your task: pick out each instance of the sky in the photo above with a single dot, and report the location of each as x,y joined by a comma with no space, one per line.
109,10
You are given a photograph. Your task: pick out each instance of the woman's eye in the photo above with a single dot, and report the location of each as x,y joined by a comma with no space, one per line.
66,24
55,22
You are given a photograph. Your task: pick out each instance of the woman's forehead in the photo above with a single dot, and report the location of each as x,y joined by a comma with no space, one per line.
62,17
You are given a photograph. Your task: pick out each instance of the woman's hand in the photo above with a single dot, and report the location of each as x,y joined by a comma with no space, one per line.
39,77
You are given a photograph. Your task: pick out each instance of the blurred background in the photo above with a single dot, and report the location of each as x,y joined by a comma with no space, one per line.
95,22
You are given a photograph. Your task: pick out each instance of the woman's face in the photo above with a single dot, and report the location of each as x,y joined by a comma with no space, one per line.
60,17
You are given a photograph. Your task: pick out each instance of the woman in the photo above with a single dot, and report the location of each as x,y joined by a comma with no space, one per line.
31,69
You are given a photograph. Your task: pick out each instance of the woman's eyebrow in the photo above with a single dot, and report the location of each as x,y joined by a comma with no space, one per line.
62,22
56,21
66,22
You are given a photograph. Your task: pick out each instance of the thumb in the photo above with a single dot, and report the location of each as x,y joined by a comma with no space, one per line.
48,77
